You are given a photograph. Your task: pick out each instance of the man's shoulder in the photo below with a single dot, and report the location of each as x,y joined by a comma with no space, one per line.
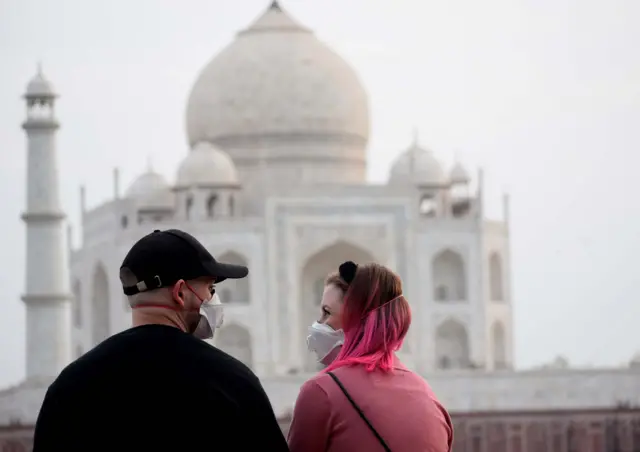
228,369
125,350
154,348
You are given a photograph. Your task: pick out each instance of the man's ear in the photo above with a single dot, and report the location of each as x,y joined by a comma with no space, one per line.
178,292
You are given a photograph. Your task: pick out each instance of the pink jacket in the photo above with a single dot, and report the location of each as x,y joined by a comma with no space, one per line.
400,405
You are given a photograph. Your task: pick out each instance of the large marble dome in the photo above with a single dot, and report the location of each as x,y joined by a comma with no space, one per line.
276,83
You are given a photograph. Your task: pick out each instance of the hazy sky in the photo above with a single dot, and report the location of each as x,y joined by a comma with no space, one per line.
545,94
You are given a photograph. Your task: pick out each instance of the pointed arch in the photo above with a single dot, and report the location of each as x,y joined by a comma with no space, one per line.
329,258
234,290
449,276
100,305
496,283
452,345
232,206
212,202
77,304
235,340
499,344
314,273
188,206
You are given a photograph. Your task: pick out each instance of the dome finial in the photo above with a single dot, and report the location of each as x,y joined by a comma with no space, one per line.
39,68
275,5
414,148
149,164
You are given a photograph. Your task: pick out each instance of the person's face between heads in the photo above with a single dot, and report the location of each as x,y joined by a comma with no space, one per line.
190,295
331,306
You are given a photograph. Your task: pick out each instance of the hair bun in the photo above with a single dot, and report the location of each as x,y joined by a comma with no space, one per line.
347,271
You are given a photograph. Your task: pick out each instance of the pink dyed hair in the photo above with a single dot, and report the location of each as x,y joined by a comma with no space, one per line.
375,319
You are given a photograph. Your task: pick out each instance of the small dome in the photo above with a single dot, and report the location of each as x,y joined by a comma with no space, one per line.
459,174
39,86
206,165
158,200
418,166
145,184
151,191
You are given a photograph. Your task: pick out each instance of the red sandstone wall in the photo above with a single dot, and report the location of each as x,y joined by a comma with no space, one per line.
576,431
615,430
16,438
553,431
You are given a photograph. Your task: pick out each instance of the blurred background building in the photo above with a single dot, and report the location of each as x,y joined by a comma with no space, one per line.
278,126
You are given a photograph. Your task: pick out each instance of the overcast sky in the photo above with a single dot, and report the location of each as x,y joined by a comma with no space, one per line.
545,94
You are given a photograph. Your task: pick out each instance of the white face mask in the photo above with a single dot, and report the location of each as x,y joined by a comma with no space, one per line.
211,318
323,339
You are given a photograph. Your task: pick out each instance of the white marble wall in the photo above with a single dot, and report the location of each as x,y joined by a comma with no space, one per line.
278,250
465,392
460,392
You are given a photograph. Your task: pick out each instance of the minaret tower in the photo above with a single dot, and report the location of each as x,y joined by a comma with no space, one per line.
47,297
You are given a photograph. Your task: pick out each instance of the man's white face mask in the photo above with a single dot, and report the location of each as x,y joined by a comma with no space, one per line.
323,340
211,318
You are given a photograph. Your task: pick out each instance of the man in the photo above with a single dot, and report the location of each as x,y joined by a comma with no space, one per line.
158,386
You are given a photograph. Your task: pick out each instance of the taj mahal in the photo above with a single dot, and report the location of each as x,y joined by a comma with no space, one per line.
274,178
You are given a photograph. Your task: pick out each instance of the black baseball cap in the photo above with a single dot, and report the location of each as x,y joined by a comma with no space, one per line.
162,258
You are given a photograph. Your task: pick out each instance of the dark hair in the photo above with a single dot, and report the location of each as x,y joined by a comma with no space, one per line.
375,319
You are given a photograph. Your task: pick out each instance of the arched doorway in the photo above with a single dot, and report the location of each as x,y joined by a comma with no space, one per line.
100,306
236,341
314,272
495,278
452,346
234,290
448,277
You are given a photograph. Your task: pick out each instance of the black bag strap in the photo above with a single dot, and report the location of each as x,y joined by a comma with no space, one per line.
357,408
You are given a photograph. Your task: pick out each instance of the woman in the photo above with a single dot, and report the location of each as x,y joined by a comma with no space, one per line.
365,400
325,336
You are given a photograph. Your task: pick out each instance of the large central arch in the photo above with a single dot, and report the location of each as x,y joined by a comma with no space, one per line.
312,277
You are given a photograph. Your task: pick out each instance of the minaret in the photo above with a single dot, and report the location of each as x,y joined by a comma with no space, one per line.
47,296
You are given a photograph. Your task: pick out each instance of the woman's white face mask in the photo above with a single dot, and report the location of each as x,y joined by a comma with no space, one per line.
323,340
